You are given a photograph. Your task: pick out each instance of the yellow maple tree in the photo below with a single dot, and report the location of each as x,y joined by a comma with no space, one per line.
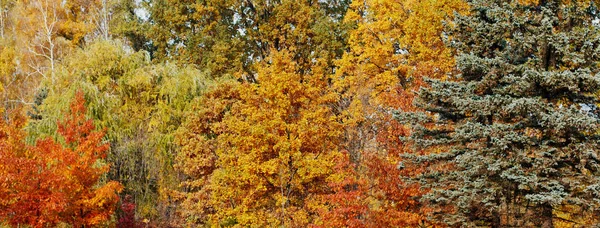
274,150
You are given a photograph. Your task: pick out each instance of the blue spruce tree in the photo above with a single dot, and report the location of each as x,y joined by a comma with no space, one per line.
517,127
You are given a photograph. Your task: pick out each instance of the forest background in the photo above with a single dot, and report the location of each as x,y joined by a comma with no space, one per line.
299,113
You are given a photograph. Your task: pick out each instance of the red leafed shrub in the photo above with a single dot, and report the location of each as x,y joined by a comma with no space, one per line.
128,220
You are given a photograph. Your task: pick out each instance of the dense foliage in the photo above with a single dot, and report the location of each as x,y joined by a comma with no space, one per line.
299,113
49,182
519,121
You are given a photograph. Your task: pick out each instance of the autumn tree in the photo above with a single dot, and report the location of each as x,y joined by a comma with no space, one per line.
130,25
276,52
35,35
394,44
227,37
139,103
519,120
54,182
271,152
7,64
347,201
46,31
197,140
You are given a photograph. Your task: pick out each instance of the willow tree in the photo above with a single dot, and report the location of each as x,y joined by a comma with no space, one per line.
141,104
519,119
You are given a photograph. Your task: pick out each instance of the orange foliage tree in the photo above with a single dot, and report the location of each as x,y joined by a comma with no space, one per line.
394,45
198,143
53,182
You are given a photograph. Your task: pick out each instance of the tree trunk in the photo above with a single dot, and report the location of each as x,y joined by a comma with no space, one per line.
546,216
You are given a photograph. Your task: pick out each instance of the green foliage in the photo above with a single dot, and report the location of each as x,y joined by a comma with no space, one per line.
128,25
228,36
518,123
140,104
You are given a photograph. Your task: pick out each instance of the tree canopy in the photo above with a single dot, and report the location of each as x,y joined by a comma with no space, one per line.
328,113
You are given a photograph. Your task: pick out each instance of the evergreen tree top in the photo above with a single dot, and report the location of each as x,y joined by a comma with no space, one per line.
517,128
